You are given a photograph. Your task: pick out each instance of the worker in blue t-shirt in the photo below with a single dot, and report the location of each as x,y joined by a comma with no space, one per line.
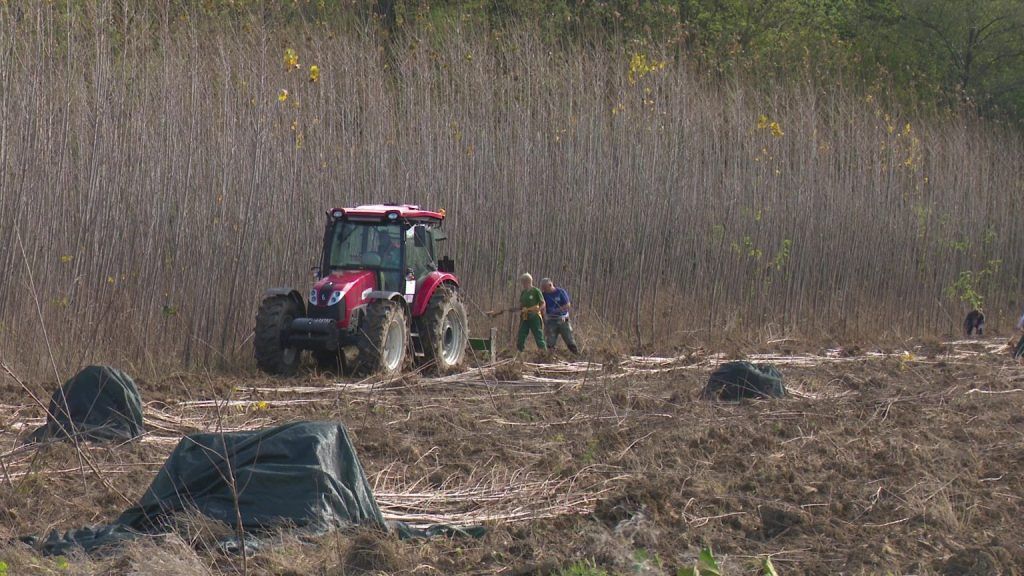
556,321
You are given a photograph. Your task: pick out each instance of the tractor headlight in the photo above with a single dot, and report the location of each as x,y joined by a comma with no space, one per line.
337,214
312,296
392,216
335,298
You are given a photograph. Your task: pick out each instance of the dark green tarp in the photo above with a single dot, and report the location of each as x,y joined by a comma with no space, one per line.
304,475
736,380
99,403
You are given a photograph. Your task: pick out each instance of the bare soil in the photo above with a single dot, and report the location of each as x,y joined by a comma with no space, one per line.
879,462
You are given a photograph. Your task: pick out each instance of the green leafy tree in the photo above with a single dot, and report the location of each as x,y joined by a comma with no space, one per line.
971,51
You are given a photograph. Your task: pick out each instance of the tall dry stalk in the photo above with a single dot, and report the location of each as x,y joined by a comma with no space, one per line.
160,184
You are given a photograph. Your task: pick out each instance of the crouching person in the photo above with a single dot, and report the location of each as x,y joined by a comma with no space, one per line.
974,323
557,306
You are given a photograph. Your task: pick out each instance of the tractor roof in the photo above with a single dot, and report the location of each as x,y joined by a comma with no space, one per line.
405,212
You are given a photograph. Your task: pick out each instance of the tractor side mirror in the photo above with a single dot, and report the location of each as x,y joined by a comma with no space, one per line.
419,236
446,265
316,272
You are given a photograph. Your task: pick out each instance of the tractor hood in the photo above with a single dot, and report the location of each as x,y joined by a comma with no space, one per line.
352,284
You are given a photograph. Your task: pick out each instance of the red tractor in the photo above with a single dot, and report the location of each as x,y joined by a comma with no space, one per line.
381,296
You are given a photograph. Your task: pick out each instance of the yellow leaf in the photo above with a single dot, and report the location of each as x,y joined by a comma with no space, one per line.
314,73
282,95
291,59
66,258
640,66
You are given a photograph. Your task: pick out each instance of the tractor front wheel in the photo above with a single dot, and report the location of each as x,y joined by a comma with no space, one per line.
275,315
383,335
444,330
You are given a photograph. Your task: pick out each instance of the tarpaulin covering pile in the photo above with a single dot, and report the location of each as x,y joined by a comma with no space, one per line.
303,476
736,380
99,403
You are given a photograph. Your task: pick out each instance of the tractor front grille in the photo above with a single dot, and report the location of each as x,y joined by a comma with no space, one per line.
329,312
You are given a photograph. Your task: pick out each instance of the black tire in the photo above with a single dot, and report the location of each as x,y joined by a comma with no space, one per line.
383,338
275,315
444,330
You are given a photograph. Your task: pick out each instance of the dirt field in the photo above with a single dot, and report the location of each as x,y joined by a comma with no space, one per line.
879,462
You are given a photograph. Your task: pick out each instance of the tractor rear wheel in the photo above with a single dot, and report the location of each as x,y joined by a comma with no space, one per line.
444,330
383,335
275,315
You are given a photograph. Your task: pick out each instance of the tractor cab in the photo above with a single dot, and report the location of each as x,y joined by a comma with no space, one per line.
382,295
394,248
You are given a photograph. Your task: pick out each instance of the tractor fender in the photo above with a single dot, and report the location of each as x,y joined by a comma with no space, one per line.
427,289
388,295
291,293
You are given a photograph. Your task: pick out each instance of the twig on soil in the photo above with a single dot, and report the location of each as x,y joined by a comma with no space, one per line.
626,450
873,525
7,474
698,521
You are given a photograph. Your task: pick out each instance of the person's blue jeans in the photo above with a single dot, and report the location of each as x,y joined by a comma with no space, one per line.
555,327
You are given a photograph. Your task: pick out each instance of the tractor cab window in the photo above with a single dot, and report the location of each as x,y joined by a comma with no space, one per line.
366,246
419,258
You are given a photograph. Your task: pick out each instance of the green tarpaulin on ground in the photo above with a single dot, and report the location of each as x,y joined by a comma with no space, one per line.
304,476
736,380
99,403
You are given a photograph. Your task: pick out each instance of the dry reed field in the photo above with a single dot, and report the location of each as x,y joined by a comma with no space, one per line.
158,171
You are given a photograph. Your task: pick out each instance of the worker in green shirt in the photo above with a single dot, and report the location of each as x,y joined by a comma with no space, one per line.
531,314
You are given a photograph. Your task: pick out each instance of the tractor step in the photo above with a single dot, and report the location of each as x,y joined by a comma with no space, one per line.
417,345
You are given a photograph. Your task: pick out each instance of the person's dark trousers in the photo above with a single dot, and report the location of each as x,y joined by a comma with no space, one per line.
555,327
531,324
1019,352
